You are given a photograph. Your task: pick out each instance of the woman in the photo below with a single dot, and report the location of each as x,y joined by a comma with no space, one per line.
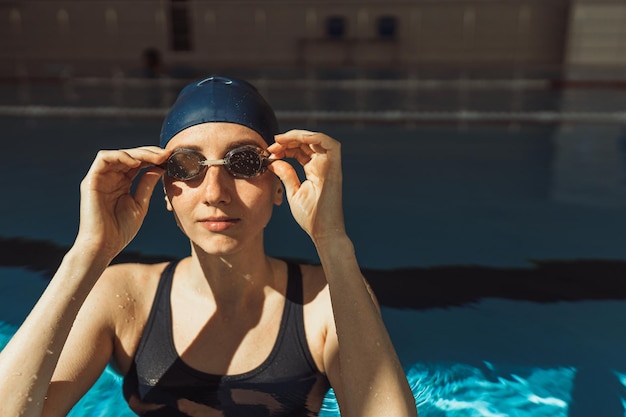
227,331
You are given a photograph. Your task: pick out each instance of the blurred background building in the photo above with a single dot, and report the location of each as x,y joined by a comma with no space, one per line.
556,39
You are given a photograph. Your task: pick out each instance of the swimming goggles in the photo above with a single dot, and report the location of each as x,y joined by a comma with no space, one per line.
247,161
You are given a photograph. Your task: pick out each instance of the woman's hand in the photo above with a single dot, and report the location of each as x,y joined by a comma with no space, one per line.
315,203
110,216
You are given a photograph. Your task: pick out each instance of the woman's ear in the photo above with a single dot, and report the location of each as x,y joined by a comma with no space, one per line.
279,192
168,203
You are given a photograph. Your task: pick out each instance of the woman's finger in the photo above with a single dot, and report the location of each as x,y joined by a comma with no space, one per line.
287,175
298,154
132,158
316,142
145,187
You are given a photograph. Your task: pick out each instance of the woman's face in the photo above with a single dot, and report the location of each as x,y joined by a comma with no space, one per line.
219,213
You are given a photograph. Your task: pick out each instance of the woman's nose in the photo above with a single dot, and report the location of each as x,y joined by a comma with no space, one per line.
217,183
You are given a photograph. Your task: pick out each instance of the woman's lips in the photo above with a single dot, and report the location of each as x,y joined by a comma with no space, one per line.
218,224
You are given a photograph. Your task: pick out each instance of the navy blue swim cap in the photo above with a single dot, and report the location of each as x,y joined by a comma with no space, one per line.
220,99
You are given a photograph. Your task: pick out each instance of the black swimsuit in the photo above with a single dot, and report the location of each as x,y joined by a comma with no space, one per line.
287,383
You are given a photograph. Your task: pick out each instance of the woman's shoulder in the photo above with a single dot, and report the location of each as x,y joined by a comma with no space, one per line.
124,294
134,271
315,287
312,272
135,281
120,303
130,272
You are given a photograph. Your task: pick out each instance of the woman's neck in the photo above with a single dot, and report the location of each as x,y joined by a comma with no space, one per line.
233,280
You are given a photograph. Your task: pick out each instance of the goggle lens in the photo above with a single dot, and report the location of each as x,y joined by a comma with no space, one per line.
244,162
185,164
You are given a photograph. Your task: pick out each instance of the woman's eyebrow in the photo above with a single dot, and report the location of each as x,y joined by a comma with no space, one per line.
190,147
243,142
237,144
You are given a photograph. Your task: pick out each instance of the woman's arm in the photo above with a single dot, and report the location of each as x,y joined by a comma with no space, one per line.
359,357
110,218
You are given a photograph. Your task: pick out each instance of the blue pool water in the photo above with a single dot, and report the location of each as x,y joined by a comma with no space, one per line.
473,235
